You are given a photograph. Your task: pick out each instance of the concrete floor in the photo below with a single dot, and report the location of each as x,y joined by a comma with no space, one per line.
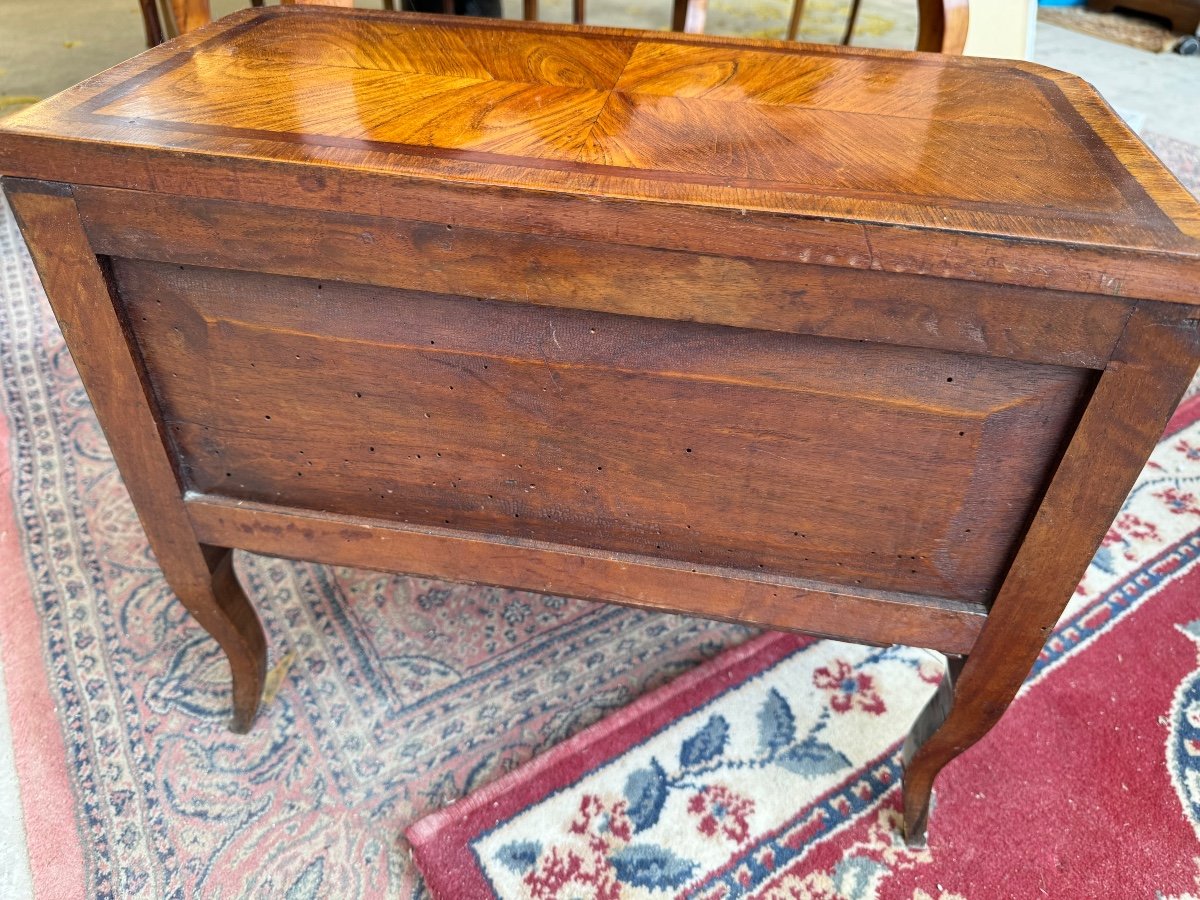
1158,92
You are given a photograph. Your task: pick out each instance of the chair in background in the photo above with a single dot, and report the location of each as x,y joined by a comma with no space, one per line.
942,24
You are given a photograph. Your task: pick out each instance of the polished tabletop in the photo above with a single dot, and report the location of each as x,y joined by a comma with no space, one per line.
982,146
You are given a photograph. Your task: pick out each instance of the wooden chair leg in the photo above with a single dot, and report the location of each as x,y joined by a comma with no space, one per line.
942,25
216,600
577,11
851,21
89,311
689,16
190,14
793,28
389,5
152,22
920,769
240,635
529,10
678,14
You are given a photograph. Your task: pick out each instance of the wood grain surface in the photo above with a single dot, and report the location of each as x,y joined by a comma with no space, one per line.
95,327
767,453
719,592
884,137
433,250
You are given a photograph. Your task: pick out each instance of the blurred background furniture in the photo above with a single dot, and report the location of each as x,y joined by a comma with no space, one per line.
942,23
1183,16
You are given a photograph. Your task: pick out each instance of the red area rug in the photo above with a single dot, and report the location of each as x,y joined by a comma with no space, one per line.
772,771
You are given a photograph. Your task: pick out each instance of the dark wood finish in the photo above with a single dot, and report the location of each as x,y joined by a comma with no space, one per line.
679,10
1153,363
942,26
851,21
152,22
650,582
728,328
525,421
1182,15
550,266
929,723
96,329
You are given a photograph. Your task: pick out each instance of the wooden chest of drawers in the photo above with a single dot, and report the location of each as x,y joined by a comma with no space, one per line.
862,344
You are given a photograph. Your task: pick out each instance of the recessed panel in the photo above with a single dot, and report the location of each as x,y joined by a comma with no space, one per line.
855,463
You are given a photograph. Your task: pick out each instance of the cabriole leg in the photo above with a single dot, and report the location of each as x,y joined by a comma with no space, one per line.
89,311
920,769
1151,366
239,633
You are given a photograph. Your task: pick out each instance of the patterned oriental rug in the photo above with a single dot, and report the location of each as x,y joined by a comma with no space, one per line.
393,697
772,772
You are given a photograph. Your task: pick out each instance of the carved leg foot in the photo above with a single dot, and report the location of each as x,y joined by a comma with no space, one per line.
924,755
224,610
83,297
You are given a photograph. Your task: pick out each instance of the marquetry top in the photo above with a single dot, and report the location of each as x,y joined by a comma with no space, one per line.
985,147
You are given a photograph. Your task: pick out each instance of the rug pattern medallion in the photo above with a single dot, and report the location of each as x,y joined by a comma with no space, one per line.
1183,746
